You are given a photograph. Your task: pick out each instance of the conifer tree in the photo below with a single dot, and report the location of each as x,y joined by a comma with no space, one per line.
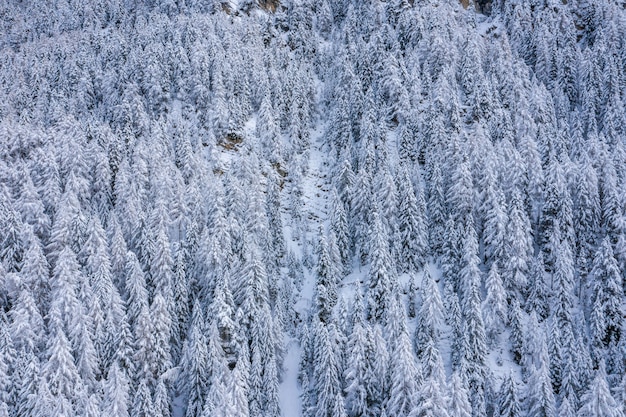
459,402
412,226
518,247
607,314
142,405
566,409
538,298
494,306
436,209
598,401
430,315
540,397
356,367
508,399
494,215
7,357
377,368
193,380
474,339
517,331
116,392
326,371
59,371
381,272
160,355
27,326
339,225
326,286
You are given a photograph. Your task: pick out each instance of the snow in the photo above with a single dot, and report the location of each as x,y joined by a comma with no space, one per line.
290,403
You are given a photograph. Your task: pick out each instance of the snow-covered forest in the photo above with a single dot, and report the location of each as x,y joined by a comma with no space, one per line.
317,208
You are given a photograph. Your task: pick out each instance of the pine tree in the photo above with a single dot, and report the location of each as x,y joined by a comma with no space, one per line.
518,246
160,333
413,246
436,209
539,396
11,252
607,313
387,199
116,390
326,371
35,269
142,403
193,380
7,357
598,401
326,286
454,319
215,402
517,331
566,409
376,377
538,298
459,402
494,306
27,326
474,339
432,397
586,214
404,373
59,371
460,196
32,208
430,314
508,402
381,272
360,205
339,225
494,215
355,372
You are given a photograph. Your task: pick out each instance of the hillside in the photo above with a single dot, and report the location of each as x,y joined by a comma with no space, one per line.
317,208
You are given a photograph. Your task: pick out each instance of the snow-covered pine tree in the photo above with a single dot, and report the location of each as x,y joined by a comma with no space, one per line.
598,401
413,246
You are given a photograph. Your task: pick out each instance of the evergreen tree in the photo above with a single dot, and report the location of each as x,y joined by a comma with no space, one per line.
326,287
474,339
598,401
404,373
430,315
377,368
381,274
539,396
142,405
116,391
193,380
326,371
160,332
356,367
494,306
339,225
436,209
413,246
518,247
459,402
538,298
607,314
508,402
27,326
59,371
517,331
494,215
